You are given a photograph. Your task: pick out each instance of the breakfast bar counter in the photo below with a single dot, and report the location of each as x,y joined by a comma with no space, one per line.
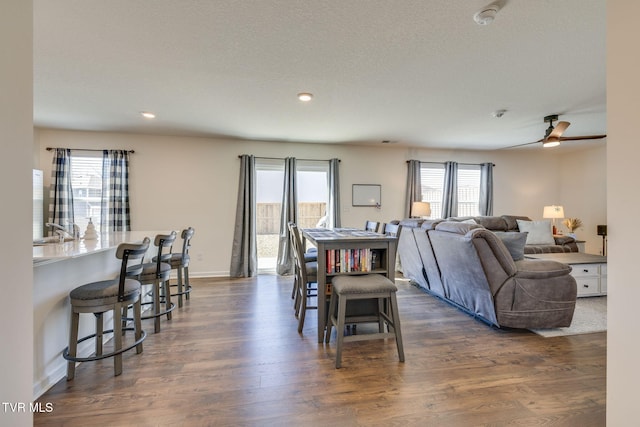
58,268
52,252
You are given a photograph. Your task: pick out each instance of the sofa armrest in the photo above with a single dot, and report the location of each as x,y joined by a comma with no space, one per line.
563,240
541,269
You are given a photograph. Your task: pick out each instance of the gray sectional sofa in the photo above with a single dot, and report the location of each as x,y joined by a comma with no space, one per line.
509,223
471,267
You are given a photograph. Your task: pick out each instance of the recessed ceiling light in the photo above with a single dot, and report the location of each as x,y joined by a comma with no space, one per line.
305,96
147,115
487,14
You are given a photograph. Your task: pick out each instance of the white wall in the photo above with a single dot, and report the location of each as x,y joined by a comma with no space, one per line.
16,129
184,181
623,174
583,190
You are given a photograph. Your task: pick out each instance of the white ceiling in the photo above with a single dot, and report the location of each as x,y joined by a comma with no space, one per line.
420,72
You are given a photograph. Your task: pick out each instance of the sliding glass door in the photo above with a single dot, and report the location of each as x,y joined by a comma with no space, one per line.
312,184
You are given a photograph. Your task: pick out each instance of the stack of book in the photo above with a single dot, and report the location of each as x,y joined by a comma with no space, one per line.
350,260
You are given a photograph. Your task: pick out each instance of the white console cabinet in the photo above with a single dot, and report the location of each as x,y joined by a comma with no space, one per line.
591,279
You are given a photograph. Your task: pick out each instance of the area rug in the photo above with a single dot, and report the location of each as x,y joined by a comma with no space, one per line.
589,316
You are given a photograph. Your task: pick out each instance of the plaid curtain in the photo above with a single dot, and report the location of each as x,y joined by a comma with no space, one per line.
114,212
60,191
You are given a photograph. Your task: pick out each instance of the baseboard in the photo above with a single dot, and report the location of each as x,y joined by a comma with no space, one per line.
59,370
206,274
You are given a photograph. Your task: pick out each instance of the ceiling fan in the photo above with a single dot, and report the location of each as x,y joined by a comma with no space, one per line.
553,134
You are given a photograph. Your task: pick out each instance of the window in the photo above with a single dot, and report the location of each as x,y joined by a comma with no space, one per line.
86,180
432,183
468,190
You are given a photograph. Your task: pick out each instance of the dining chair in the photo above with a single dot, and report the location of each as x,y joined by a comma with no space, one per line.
310,255
391,229
372,226
305,276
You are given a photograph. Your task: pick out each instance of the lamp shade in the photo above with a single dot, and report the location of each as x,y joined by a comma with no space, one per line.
420,209
553,211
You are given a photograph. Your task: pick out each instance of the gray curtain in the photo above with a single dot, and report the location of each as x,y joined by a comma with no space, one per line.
486,189
333,206
414,186
450,193
114,211
61,192
289,212
244,255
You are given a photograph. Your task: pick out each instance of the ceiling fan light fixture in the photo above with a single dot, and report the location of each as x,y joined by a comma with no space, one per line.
551,142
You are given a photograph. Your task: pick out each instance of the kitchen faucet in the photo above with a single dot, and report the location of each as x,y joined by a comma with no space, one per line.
61,230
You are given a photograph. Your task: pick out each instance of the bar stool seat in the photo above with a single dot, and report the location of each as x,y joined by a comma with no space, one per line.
102,293
108,295
376,287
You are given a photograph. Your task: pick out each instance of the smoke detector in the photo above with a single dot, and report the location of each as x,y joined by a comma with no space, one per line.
486,15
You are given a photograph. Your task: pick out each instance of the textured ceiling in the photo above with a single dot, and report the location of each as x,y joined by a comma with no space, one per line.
420,72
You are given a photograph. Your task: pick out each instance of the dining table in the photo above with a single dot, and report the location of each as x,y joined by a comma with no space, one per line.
348,251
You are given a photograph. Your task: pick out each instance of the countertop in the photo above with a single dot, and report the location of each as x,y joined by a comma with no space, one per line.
54,252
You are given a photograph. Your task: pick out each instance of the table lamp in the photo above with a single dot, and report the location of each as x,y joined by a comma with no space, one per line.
420,210
602,231
553,212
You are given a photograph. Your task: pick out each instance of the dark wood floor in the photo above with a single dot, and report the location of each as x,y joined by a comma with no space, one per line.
232,356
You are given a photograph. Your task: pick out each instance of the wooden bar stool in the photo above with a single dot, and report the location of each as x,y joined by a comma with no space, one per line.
156,274
108,295
179,261
365,287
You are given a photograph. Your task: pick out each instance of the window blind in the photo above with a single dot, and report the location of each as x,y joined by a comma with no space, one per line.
86,180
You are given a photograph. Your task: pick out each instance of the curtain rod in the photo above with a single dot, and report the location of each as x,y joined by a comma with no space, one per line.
465,164
282,158
84,149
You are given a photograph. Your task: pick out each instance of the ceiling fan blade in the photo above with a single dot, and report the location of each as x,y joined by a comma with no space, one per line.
520,145
558,130
579,138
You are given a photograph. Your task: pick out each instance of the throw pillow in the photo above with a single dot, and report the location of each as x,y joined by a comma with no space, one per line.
469,221
514,242
539,232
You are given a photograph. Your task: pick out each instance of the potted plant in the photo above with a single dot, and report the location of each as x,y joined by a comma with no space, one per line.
572,224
